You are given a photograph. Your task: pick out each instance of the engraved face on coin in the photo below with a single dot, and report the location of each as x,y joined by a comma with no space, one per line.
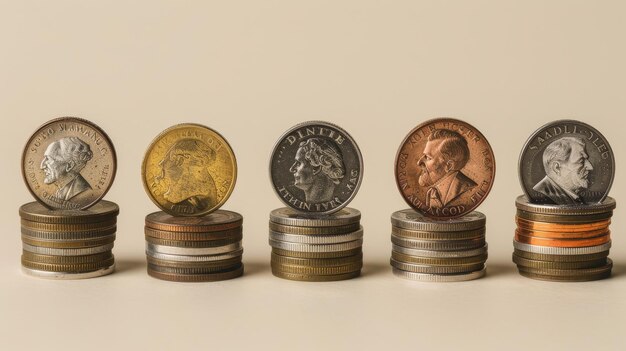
566,163
316,167
444,168
69,163
189,170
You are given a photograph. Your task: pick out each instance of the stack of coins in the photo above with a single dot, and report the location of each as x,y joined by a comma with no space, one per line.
68,244
316,249
563,243
427,250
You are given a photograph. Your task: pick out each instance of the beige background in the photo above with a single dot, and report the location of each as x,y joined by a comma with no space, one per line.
252,69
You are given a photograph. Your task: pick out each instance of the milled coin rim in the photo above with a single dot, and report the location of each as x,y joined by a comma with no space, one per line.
77,216
67,252
439,278
570,251
608,204
444,225
68,276
315,221
159,137
76,120
207,251
317,239
195,258
348,136
439,254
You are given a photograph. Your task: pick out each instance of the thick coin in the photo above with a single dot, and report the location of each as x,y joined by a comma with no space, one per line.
68,275
102,211
77,227
606,206
563,243
445,236
69,163
289,229
316,262
317,255
317,239
217,221
439,254
561,258
69,236
197,258
568,251
445,168
196,278
287,216
315,278
569,272
178,264
439,245
563,235
29,256
557,278
308,270
195,270
433,261
439,278
558,219
68,268
189,170
193,244
316,247
77,244
67,252
411,220
221,235
520,261
172,250
316,167
428,269
567,228
566,162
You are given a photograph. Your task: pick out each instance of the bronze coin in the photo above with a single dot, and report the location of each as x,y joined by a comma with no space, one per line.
219,220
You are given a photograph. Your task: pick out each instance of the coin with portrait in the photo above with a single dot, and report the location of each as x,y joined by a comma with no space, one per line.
444,168
316,167
69,163
566,162
189,170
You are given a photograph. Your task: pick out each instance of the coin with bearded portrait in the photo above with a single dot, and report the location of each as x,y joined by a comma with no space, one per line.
316,168
189,170
566,162
69,164
445,168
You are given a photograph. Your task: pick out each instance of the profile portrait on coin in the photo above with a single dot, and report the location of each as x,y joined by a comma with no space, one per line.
567,168
62,163
185,172
318,168
445,154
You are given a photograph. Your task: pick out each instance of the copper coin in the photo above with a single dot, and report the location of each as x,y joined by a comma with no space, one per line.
599,240
445,168
565,228
562,235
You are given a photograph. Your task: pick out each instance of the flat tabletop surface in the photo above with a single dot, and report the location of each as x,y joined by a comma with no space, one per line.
251,70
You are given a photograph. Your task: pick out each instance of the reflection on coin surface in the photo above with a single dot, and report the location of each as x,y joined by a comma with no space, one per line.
444,168
69,163
189,170
566,163
316,167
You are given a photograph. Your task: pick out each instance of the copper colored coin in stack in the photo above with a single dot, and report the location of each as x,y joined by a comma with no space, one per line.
68,244
563,243
194,249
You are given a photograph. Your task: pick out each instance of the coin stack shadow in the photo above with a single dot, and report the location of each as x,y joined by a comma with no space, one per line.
68,244
563,243
194,249
321,248
438,251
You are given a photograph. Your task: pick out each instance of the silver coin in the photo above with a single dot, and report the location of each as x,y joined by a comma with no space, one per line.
288,216
316,247
549,250
198,258
67,252
607,205
438,245
566,162
430,269
316,167
412,220
317,239
68,276
439,278
439,254
172,250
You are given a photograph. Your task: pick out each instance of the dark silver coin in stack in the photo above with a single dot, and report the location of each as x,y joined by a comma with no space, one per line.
438,251
68,244
321,248
194,249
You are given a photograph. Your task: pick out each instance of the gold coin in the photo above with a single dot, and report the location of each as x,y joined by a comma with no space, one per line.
55,259
320,255
196,278
189,170
315,278
68,244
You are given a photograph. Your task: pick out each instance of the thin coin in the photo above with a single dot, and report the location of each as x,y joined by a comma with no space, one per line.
217,221
69,163
428,269
68,275
520,261
317,239
29,256
102,211
445,168
316,247
316,167
561,258
567,228
566,162
439,245
563,235
432,261
556,278
316,262
68,268
291,217
446,236
179,264
569,219
439,278
196,258
599,240
439,254
193,244
568,251
607,205
569,272
317,255
315,278
288,229
221,235
77,227
196,278
189,170
308,270
195,270
55,244
69,236
172,250
411,220
67,252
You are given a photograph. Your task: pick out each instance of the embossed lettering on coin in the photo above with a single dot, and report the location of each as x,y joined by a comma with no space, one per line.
566,163
444,168
69,163
316,167
189,170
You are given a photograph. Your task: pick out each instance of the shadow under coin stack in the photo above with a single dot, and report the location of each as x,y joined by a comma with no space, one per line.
444,170
316,169
68,165
191,240
316,249
427,250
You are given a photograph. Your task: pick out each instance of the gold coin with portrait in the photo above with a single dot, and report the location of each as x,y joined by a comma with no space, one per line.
189,170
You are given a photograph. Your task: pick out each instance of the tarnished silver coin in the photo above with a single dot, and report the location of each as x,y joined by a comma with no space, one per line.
316,167
69,163
413,220
288,216
566,162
